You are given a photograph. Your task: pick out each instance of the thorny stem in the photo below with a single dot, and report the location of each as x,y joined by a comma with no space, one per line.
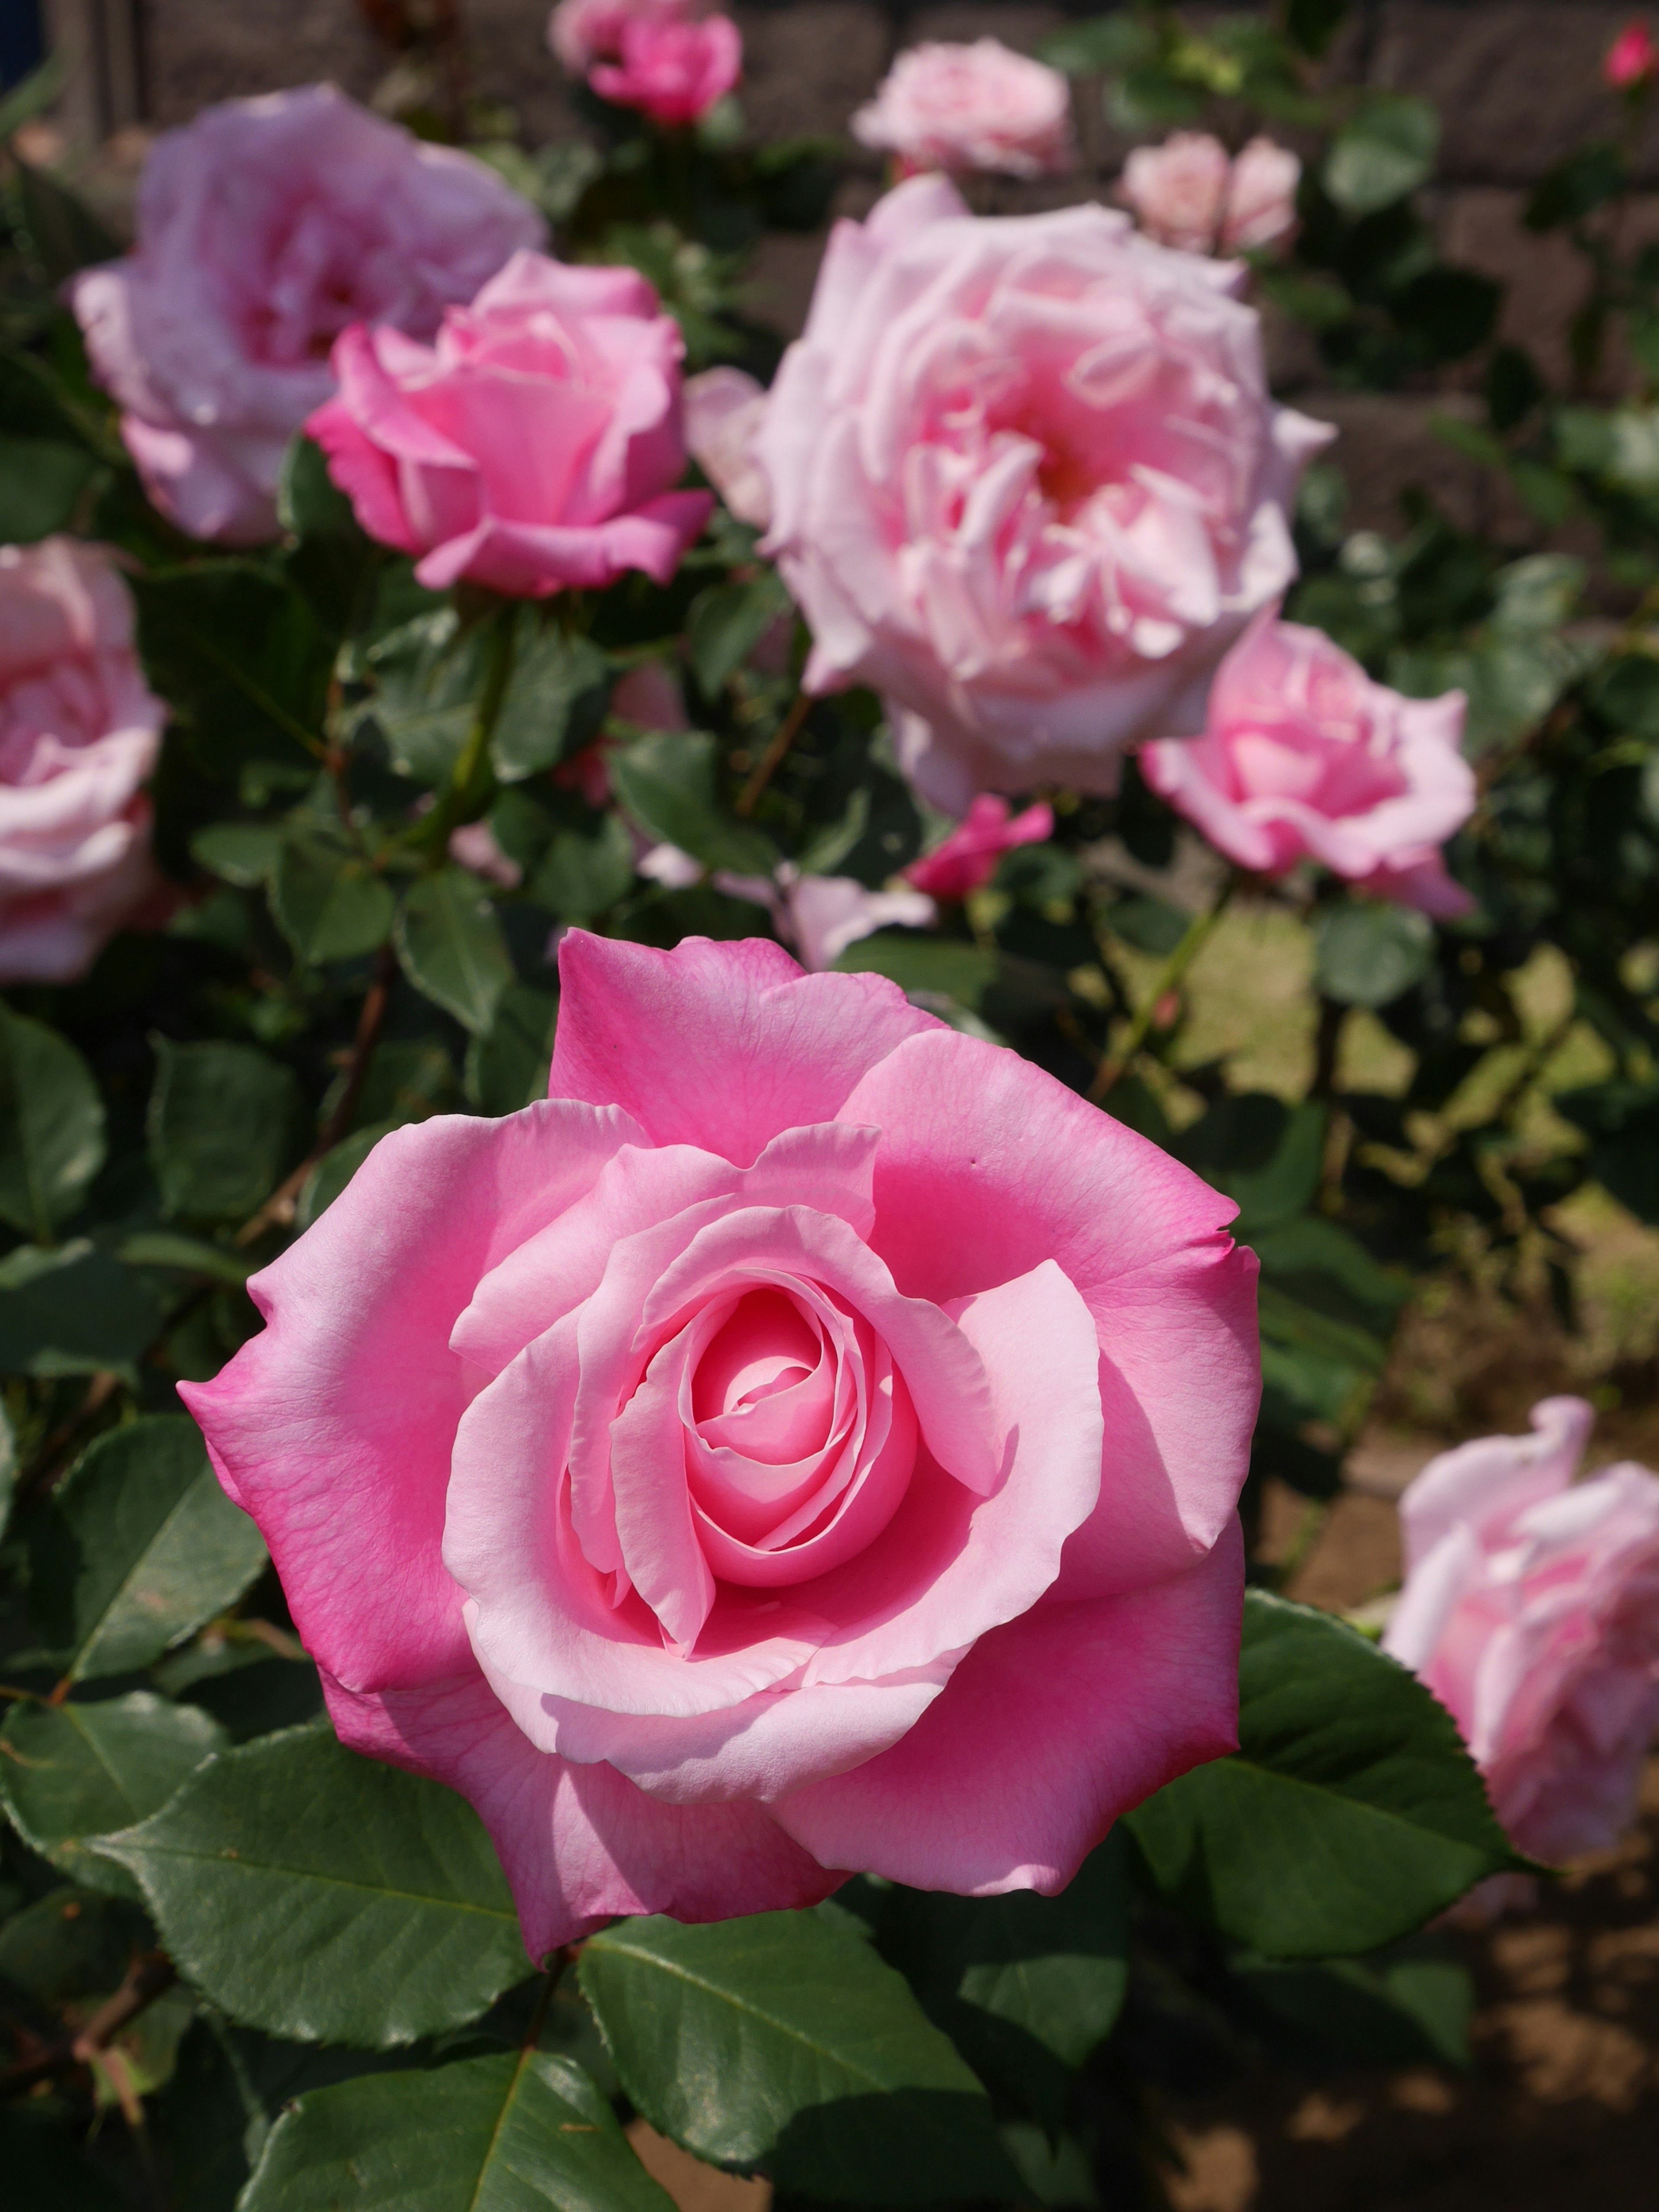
772,759
146,1979
1194,939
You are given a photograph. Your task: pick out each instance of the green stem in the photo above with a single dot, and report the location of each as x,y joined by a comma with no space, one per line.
1193,938
473,780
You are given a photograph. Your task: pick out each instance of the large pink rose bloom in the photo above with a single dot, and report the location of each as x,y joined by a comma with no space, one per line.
533,447
79,733
1026,481
807,1441
1304,755
672,71
1531,1609
265,227
979,107
1189,193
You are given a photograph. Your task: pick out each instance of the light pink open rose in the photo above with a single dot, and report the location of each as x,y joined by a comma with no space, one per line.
808,1441
1304,755
1190,192
979,107
1027,483
79,734
534,447
265,227
1531,1609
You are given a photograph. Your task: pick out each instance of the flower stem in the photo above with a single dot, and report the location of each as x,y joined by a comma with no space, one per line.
1193,941
772,759
473,780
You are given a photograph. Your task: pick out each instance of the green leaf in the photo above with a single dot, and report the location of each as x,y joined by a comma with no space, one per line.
333,559
191,1254
73,1942
429,674
1311,25
240,853
452,947
335,1170
507,1066
40,482
328,901
726,622
1287,1186
1025,1986
65,233
1367,952
916,962
1407,2011
137,1549
668,782
509,2131
72,1311
222,1120
72,1773
1621,1120
240,657
1590,176
1386,152
782,2041
580,876
555,702
1350,1814
326,1896
51,1126
45,2170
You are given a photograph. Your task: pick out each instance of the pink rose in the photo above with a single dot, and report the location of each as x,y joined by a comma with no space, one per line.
1631,59
821,915
533,447
971,107
724,410
672,71
79,733
583,32
806,1441
1302,755
969,856
1531,1609
264,228
1188,193
1027,483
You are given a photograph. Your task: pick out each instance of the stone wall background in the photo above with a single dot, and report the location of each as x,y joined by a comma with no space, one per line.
1516,81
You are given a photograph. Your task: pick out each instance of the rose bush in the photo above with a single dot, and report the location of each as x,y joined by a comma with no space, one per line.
1027,483
979,107
534,447
1304,755
1531,1609
264,228
753,1464
79,735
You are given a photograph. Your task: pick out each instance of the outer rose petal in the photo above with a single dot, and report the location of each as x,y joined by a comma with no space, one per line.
1486,1484
579,1843
721,1046
987,1168
1049,1729
338,1419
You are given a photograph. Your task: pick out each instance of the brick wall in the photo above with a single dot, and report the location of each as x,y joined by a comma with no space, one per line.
1516,83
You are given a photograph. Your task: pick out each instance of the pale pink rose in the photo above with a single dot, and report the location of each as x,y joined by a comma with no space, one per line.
1305,756
979,107
1260,208
1190,193
676,871
1632,58
534,447
672,71
264,228
724,410
1531,1609
79,734
821,915
650,697
1027,483
474,846
805,1442
583,32
969,856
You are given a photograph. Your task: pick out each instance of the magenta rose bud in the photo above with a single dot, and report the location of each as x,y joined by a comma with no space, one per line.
979,107
1304,756
534,447
1027,483
79,735
265,227
1631,61
969,856
807,1441
1531,1609
673,70
582,32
